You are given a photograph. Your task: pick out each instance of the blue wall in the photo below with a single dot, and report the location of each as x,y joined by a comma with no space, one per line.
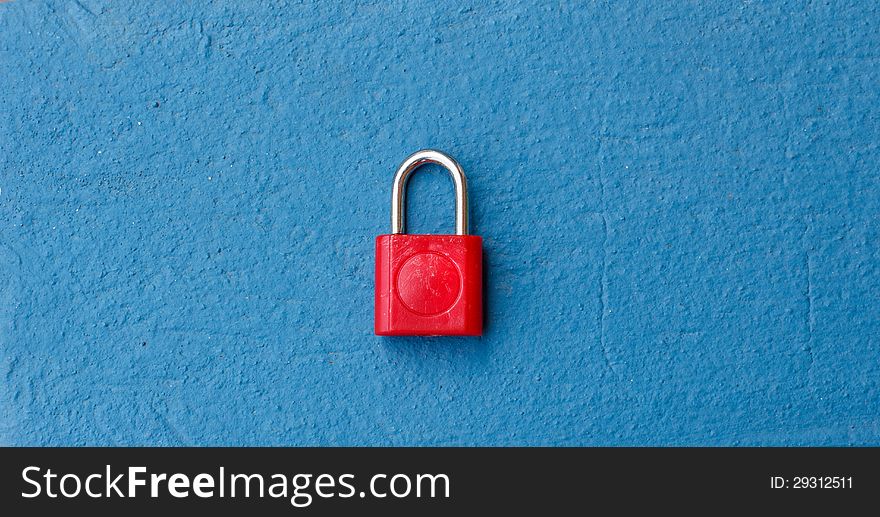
679,205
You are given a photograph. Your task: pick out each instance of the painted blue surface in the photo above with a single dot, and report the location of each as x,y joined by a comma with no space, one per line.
679,205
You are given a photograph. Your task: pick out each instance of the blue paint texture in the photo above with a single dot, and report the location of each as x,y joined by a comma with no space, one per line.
679,203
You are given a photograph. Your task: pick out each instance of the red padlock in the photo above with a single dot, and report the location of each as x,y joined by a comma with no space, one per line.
429,285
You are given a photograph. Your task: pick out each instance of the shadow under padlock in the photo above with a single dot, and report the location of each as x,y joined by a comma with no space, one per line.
429,285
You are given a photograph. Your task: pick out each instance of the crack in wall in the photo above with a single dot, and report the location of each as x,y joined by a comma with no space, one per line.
603,297
809,316
603,288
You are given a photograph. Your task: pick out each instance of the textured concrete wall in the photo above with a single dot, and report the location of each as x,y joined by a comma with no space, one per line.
679,204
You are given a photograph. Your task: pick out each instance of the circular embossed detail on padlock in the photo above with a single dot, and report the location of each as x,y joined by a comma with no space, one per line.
428,283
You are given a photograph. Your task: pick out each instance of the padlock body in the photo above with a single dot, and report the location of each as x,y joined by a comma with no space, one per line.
429,285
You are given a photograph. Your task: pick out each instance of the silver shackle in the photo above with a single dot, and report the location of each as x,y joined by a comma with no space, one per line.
413,162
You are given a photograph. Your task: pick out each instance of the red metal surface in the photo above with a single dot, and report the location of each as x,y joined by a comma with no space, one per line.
429,285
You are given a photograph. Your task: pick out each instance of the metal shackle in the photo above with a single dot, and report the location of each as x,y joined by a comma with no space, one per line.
413,162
